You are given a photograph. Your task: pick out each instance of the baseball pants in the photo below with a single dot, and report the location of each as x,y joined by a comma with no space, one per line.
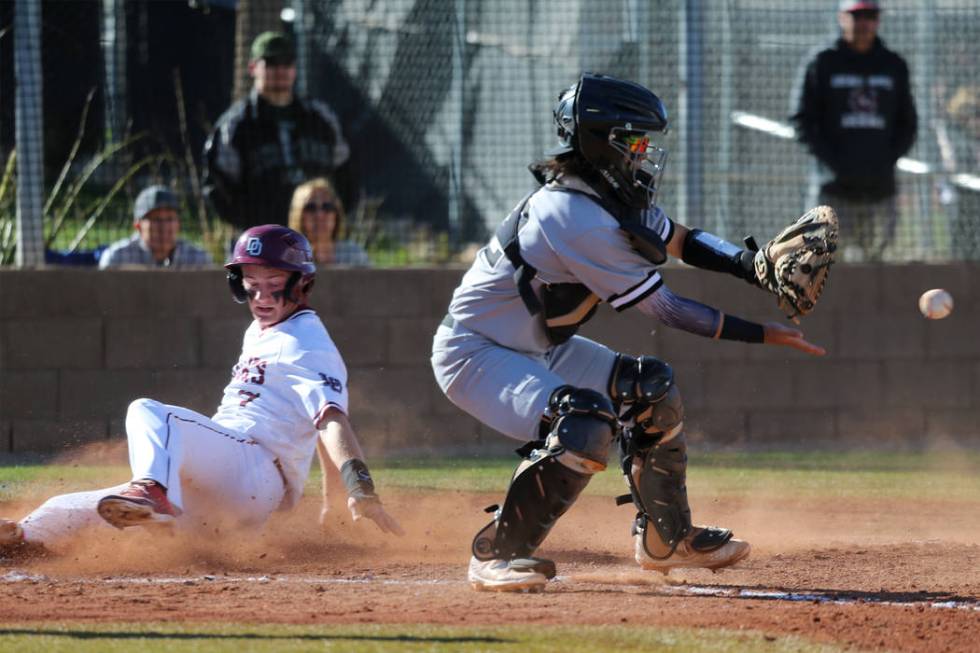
213,474
509,390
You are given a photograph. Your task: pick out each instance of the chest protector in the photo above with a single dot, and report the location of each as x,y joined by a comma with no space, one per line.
565,307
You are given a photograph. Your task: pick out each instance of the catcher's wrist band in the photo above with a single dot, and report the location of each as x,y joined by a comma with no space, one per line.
357,479
735,328
709,252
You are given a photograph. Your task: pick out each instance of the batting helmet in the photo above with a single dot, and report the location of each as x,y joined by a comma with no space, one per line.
274,246
609,122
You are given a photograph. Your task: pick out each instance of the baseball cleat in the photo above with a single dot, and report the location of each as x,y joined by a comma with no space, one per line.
502,576
142,503
687,556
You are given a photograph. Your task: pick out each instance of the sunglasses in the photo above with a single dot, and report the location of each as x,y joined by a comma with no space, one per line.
326,207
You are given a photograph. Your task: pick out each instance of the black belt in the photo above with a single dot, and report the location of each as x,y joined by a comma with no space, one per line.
282,472
448,321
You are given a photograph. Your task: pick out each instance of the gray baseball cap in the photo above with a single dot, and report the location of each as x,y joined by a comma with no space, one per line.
154,197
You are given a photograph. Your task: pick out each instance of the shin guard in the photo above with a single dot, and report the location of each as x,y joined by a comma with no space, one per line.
582,425
542,490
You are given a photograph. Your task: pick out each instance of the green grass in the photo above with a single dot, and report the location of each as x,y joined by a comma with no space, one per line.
949,476
238,638
36,479
790,475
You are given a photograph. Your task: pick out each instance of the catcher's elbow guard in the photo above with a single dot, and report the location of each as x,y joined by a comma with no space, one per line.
709,252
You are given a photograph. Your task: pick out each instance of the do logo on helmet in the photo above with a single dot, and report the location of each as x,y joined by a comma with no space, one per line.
254,246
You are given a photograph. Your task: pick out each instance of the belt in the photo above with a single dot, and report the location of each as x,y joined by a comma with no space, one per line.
448,321
282,473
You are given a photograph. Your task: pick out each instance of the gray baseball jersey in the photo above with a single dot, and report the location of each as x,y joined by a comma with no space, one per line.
133,251
567,238
494,359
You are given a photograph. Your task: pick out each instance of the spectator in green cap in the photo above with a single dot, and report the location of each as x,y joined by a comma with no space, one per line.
271,141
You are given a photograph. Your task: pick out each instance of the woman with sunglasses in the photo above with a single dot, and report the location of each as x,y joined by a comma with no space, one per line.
317,212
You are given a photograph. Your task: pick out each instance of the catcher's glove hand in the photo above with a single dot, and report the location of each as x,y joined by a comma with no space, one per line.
794,265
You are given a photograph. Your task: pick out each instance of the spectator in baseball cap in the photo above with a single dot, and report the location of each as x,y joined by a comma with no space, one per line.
273,67
266,144
155,243
859,23
855,113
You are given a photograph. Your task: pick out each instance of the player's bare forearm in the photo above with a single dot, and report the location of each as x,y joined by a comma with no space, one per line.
344,450
324,458
338,438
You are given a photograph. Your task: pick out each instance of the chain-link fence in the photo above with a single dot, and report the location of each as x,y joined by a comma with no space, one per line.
445,102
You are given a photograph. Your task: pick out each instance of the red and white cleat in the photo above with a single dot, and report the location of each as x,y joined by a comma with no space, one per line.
142,503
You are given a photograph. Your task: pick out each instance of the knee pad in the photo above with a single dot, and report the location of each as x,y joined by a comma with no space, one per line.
646,400
581,428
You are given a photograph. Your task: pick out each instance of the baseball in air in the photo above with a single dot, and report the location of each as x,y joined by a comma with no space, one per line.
936,304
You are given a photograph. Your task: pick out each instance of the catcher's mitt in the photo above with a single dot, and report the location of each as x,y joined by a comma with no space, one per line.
794,265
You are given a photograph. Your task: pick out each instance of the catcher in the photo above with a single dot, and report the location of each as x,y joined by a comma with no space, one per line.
287,393
507,352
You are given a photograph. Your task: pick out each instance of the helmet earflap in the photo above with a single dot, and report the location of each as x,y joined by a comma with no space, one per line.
294,280
237,285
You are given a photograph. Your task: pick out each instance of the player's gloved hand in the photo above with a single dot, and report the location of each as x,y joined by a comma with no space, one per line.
794,265
777,333
371,508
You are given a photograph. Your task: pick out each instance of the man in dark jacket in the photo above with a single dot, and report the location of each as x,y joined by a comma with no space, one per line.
855,113
268,143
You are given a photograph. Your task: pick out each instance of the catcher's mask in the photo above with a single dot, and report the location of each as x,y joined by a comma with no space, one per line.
612,123
277,247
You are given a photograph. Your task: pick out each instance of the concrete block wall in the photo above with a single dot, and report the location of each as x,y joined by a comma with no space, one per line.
76,346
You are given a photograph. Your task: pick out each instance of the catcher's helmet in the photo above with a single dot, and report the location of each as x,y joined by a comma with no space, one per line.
610,122
274,246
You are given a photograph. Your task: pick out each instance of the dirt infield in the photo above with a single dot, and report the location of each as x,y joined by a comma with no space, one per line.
865,574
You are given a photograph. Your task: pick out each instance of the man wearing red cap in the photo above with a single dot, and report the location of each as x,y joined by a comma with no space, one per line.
855,113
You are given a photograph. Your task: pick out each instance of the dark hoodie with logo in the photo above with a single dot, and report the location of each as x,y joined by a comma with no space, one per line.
856,115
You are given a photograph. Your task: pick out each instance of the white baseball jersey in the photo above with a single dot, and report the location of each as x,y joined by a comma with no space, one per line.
233,465
287,377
